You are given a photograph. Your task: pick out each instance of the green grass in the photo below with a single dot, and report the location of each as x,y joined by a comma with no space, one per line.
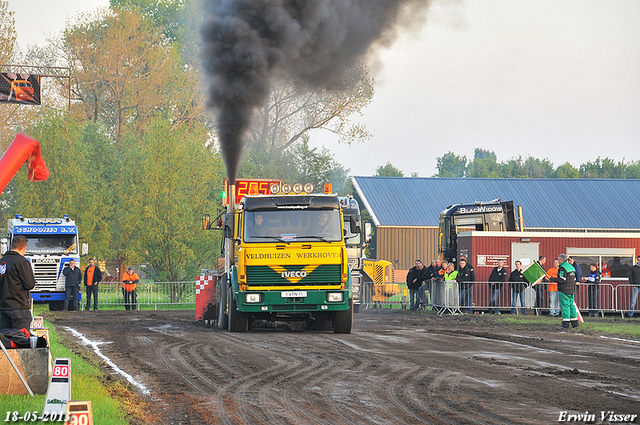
87,383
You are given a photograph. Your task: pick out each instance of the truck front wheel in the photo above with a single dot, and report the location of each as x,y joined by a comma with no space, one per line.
238,321
343,320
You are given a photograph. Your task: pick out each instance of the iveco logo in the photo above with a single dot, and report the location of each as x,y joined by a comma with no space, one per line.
288,274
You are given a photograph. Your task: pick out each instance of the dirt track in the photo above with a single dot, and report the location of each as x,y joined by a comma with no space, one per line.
395,368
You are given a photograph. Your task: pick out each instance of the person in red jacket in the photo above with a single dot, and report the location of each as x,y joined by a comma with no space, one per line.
129,281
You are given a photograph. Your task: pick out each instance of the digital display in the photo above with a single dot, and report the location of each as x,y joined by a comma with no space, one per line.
249,187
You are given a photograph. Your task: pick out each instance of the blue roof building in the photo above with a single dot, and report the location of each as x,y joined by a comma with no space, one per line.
546,203
406,211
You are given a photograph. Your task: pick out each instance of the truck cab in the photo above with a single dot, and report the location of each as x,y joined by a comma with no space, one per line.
494,215
51,244
285,260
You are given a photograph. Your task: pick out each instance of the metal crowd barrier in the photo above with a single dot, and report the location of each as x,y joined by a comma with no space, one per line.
609,296
153,295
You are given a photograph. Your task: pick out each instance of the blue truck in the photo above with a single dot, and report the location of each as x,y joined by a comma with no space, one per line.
52,244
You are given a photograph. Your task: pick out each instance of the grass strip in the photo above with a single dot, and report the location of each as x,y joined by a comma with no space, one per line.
110,399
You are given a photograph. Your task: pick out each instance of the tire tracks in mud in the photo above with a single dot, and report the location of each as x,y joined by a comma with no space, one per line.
379,374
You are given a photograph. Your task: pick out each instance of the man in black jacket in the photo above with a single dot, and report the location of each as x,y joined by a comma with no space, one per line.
518,285
466,278
73,279
416,277
634,279
497,278
16,282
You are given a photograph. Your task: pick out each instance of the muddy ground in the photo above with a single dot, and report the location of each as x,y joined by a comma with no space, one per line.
397,367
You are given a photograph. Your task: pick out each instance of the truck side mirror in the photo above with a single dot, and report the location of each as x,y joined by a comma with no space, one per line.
206,222
229,224
85,249
367,232
354,226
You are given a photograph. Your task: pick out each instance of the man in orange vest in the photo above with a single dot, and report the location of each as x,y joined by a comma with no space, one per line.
92,275
129,280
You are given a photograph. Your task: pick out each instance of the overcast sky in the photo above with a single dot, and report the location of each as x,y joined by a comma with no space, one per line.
552,79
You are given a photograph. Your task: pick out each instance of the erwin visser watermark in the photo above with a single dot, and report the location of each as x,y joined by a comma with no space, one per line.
604,416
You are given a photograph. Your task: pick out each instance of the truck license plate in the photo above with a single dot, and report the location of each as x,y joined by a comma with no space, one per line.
294,294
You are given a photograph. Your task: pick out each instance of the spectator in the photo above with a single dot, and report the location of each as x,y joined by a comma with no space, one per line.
73,280
129,281
451,274
496,280
92,276
16,282
593,289
578,269
634,279
435,273
566,292
466,278
415,279
540,288
552,273
518,285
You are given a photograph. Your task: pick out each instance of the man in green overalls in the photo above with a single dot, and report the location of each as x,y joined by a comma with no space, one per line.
566,292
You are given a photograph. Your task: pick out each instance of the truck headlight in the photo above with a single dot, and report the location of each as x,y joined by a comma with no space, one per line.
253,298
335,297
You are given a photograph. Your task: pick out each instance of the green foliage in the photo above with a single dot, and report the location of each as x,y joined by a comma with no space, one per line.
81,160
485,165
451,165
167,175
566,171
388,170
300,164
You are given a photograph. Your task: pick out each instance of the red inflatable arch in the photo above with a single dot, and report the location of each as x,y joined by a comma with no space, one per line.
22,149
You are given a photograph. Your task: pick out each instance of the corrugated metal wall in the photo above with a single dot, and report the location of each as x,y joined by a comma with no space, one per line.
406,244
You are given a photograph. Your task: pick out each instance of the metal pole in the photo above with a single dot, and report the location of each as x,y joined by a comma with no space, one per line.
16,369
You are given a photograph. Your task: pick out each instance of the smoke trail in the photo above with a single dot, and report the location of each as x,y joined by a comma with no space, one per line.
313,41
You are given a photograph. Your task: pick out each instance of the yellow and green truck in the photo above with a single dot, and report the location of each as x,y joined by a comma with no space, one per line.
284,258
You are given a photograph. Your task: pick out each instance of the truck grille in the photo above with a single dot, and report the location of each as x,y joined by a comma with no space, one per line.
327,274
46,276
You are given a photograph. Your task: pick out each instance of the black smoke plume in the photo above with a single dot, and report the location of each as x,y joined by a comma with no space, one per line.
314,41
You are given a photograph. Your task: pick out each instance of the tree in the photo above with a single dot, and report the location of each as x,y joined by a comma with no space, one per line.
451,165
566,171
124,70
388,170
301,163
292,111
168,179
538,168
605,168
13,117
483,165
179,20
8,35
81,161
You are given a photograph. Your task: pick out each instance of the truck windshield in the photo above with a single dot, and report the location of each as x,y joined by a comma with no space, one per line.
292,226
52,245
